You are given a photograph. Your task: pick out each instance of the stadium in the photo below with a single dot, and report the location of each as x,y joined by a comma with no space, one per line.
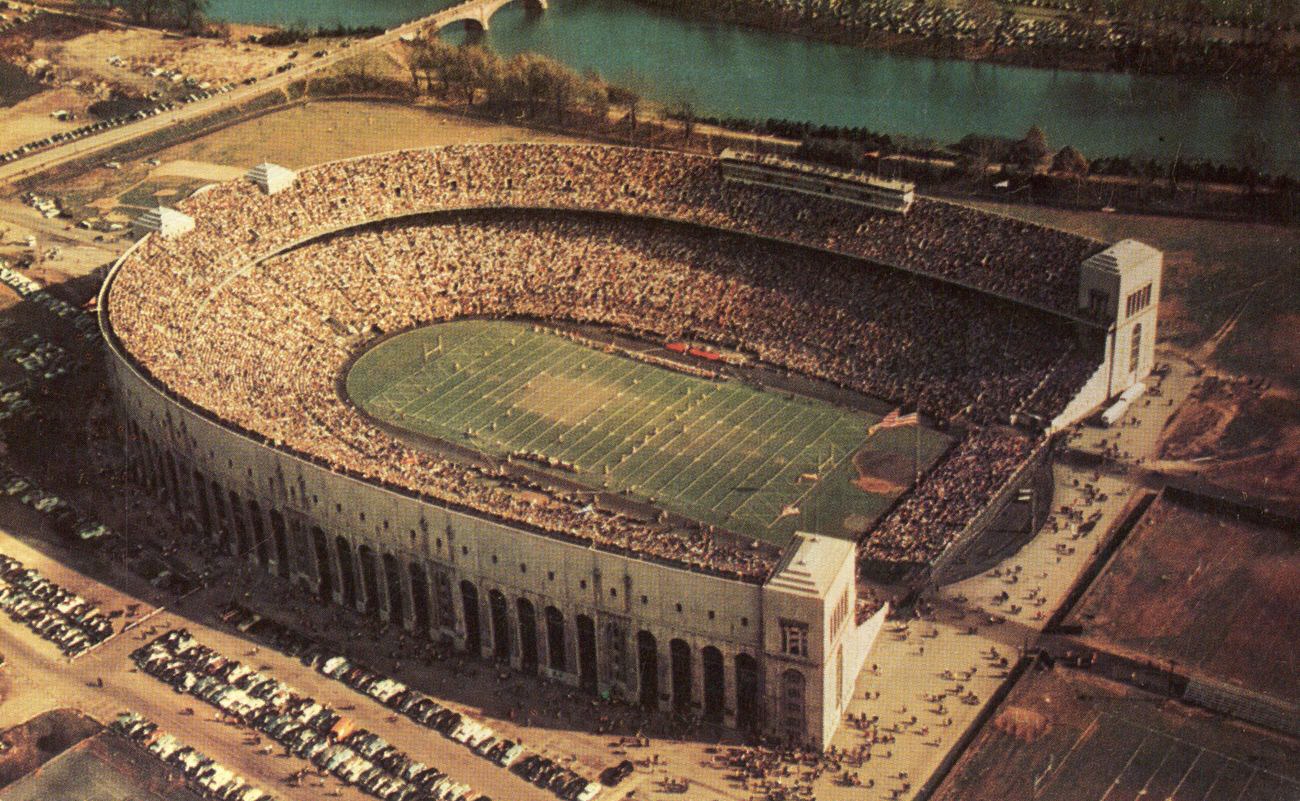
628,419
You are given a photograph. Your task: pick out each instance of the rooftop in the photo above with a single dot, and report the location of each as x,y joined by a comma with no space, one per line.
810,564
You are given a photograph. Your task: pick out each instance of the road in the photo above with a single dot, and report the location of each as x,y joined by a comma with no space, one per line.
36,677
59,154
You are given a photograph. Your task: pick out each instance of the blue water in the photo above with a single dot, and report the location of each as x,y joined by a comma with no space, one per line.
725,70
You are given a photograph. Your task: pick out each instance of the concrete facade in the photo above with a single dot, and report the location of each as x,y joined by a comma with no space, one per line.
648,632
1120,287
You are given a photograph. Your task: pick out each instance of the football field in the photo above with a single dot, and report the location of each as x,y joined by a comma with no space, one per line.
755,461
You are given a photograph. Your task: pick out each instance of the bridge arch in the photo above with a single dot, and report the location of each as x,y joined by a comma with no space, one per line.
476,14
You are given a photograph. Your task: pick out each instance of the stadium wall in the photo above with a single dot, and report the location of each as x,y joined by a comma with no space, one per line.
1093,394
952,565
609,623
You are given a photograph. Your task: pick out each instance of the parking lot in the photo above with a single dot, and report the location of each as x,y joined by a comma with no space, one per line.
333,742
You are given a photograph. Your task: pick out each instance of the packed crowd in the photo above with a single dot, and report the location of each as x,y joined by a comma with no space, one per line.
260,346
941,506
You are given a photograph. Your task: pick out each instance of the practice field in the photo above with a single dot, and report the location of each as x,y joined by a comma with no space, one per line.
758,462
106,767
1063,735
1218,596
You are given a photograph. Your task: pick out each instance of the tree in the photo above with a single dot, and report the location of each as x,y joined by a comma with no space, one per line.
470,68
1253,154
684,111
1070,162
623,96
1030,150
429,58
191,12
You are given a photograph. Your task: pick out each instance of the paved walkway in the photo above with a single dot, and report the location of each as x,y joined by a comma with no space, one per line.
915,661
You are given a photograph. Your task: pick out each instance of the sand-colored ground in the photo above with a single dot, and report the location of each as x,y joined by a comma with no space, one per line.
325,130
30,119
1238,434
298,136
1103,742
1229,288
140,50
186,168
1218,595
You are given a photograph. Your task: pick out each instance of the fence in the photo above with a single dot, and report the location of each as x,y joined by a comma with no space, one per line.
949,561
1264,710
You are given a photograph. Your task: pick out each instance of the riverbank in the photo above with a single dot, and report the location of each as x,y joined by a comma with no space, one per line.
1019,36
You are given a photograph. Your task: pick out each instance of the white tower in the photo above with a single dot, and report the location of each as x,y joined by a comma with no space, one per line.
1120,287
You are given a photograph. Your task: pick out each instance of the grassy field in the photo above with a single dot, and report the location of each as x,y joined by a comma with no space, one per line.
1216,595
1065,736
722,452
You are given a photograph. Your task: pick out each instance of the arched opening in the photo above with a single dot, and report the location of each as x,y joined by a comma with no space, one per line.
527,636
222,532
469,600
347,575
715,684
420,598
369,581
500,625
679,653
146,452
393,577
1135,349
178,491
793,719
259,534
586,653
475,32
555,639
281,543
647,662
243,547
201,495
746,692
324,574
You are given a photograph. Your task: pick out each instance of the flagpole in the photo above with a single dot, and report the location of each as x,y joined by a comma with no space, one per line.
916,455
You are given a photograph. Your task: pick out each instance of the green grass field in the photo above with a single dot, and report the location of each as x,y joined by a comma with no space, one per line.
721,452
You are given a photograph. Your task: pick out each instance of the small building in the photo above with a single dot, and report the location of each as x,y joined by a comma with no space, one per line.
850,186
1120,288
271,178
813,645
166,222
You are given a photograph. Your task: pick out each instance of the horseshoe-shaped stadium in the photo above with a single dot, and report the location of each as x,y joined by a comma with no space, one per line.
634,420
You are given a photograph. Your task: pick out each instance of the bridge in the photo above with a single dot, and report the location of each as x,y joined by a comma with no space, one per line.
475,13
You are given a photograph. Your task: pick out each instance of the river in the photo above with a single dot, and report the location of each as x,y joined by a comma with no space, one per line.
726,70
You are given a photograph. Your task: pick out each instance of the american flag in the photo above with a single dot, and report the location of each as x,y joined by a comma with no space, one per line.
896,419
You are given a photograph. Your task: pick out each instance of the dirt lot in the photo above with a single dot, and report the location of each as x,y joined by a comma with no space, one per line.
296,137
71,56
105,767
1229,303
29,745
1229,290
1217,596
1240,435
1066,736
